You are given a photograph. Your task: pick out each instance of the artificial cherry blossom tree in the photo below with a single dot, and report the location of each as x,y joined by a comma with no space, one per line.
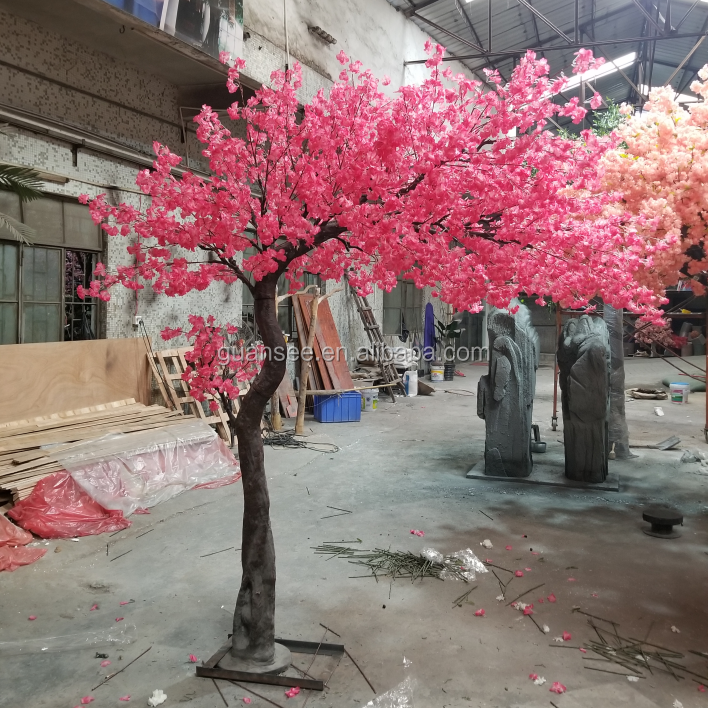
453,184
661,174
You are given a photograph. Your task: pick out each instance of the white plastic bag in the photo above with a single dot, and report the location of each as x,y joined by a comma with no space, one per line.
137,470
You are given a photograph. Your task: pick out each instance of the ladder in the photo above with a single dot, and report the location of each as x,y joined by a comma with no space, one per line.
382,353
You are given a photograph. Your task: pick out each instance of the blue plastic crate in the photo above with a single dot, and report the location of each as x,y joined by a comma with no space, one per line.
338,408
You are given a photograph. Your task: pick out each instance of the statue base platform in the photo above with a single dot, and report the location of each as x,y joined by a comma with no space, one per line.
549,470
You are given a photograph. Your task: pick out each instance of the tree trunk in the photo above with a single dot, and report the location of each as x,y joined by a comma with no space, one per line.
254,618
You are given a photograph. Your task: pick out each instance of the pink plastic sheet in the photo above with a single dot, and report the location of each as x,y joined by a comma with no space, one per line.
59,508
12,540
139,470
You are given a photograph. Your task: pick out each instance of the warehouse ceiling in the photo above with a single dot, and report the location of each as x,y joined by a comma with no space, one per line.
652,42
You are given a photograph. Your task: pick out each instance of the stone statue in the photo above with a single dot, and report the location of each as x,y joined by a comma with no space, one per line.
505,394
619,432
584,364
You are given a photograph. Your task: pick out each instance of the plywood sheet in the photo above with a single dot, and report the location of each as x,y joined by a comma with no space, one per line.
40,379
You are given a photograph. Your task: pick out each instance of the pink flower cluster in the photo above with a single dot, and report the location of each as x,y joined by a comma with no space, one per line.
454,186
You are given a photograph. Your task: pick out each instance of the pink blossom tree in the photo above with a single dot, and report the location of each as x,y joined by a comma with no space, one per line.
661,175
455,185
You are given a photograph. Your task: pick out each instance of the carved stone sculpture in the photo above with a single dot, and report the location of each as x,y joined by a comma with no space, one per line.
584,365
505,394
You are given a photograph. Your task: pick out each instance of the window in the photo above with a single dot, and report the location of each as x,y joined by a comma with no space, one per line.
403,306
38,281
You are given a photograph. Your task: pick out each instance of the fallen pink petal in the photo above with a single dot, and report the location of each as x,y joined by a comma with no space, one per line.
480,613
247,700
540,599
508,548
595,594
105,663
533,677
125,602
519,573
567,636
557,687
415,532
528,610
95,607
119,619
551,598
571,580
702,688
32,617
534,553
193,659
292,692
86,700
124,698
528,570
585,651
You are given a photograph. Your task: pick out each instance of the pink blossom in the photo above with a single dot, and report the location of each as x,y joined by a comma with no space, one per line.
417,533
193,659
224,57
557,687
567,636
519,573
342,58
83,199
291,693
596,101
480,613
105,663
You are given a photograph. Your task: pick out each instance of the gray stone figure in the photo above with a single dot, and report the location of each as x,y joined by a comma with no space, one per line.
584,377
505,394
619,432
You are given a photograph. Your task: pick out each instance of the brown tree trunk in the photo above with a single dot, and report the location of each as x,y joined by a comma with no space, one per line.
254,617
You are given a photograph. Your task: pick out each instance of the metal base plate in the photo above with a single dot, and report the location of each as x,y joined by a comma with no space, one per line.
210,668
672,534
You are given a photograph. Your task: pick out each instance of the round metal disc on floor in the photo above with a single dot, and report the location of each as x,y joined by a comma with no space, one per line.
282,660
662,523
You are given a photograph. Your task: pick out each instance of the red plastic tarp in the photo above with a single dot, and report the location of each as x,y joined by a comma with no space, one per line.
59,508
12,538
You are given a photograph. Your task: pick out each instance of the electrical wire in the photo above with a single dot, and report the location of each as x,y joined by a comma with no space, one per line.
286,438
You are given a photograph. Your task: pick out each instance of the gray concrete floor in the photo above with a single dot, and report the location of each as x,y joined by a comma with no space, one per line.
403,467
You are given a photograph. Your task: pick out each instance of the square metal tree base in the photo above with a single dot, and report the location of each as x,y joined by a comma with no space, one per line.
209,668
549,470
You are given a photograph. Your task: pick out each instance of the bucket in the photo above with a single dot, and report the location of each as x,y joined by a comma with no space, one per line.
437,372
449,372
679,392
369,399
410,381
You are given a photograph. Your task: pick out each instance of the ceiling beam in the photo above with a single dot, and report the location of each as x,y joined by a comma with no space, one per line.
420,6
647,14
447,32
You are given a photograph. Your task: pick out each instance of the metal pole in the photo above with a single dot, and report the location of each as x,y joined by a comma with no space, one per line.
489,25
285,27
577,21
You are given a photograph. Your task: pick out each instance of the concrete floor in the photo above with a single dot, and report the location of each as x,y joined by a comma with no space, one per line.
402,467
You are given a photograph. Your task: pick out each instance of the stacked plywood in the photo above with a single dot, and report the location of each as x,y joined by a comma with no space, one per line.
26,445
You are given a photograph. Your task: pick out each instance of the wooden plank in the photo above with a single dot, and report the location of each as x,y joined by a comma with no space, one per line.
15,424
318,363
327,337
40,379
302,340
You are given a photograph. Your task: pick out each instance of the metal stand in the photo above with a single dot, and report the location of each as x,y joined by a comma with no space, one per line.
209,668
